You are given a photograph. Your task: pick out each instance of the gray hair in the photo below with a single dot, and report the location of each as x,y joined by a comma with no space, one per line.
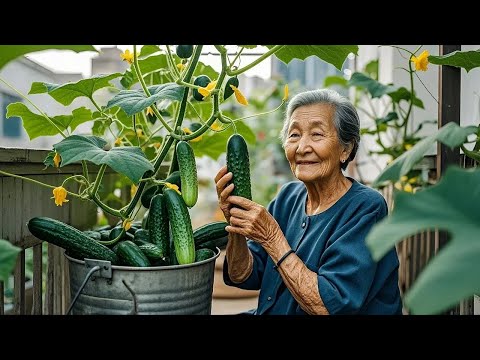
346,119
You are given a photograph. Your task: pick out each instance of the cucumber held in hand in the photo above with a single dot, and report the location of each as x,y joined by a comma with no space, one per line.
73,240
238,164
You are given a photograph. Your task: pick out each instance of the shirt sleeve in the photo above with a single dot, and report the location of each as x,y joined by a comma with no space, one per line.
347,269
260,256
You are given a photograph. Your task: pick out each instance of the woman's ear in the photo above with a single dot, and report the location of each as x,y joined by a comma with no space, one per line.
346,152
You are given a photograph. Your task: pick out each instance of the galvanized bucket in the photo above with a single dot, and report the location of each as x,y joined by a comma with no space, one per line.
117,290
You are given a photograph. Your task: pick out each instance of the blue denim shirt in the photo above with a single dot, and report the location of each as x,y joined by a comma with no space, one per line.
332,244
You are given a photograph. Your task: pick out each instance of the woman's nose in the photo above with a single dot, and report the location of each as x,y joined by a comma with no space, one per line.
303,145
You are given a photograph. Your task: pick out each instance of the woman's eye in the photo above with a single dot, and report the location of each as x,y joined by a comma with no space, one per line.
293,135
317,134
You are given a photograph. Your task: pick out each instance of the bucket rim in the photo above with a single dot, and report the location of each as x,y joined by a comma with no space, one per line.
150,268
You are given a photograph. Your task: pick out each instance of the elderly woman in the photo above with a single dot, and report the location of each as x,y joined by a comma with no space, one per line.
306,252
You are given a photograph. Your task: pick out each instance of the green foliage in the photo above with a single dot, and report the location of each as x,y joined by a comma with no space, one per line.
452,275
129,161
8,257
451,135
11,52
66,93
213,144
403,94
333,54
375,88
335,80
133,101
463,59
37,125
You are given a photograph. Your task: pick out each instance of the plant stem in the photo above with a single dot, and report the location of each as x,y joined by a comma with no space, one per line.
85,171
237,56
136,68
36,107
169,54
37,182
256,62
98,180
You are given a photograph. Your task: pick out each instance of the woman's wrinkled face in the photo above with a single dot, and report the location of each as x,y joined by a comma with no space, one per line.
312,146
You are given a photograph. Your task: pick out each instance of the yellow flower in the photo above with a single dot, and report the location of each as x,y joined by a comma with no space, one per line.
60,195
285,93
127,223
413,180
133,190
150,111
180,66
239,96
139,133
421,62
56,159
404,178
215,127
118,141
408,188
408,146
156,145
174,187
188,132
127,56
398,185
205,91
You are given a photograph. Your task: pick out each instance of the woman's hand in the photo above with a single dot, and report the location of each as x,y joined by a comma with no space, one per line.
253,221
223,191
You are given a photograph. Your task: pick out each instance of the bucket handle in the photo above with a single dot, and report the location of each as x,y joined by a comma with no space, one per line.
105,268
135,302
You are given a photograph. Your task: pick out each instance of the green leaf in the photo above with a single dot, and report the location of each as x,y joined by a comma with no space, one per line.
375,88
8,257
129,161
452,275
36,125
11,52
404,94
133,101
66,93
463,59
147,50
335,80
333,54
390,116
49,159
451,135
214,144
372,69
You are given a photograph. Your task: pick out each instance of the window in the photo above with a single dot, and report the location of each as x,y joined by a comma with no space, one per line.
11,127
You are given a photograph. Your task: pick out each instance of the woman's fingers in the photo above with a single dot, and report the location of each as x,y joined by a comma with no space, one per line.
222,182
223,170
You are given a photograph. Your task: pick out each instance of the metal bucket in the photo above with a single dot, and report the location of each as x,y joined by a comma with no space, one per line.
173,290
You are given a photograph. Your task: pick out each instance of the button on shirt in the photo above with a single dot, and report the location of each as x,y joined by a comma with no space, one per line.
332,244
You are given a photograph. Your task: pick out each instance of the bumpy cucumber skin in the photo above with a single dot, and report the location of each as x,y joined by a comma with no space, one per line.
130,254
188,173
203,254
238,163
158,221
181,226
211,231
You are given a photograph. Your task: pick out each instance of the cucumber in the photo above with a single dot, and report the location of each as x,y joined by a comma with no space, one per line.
184,51
130,254
228,91
238,164
149,193
71,239
173,256
203,254
209,232
152,251
188,173
145,219
174,164
202,81
181,226
158,224
195,126
174,178
142,234
116,232
220,242
95,235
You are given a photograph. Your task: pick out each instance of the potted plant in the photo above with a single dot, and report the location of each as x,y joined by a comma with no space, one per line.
155,264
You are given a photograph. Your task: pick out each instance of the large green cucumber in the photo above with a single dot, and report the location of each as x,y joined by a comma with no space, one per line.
71,239
158,221
209,232
130,254
152,190
220,242
181,226
188,173
238,164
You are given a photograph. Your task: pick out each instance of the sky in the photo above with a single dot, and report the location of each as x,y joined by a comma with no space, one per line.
72,62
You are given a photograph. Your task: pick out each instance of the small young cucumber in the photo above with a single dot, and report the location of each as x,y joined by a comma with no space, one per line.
188,173
203,254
